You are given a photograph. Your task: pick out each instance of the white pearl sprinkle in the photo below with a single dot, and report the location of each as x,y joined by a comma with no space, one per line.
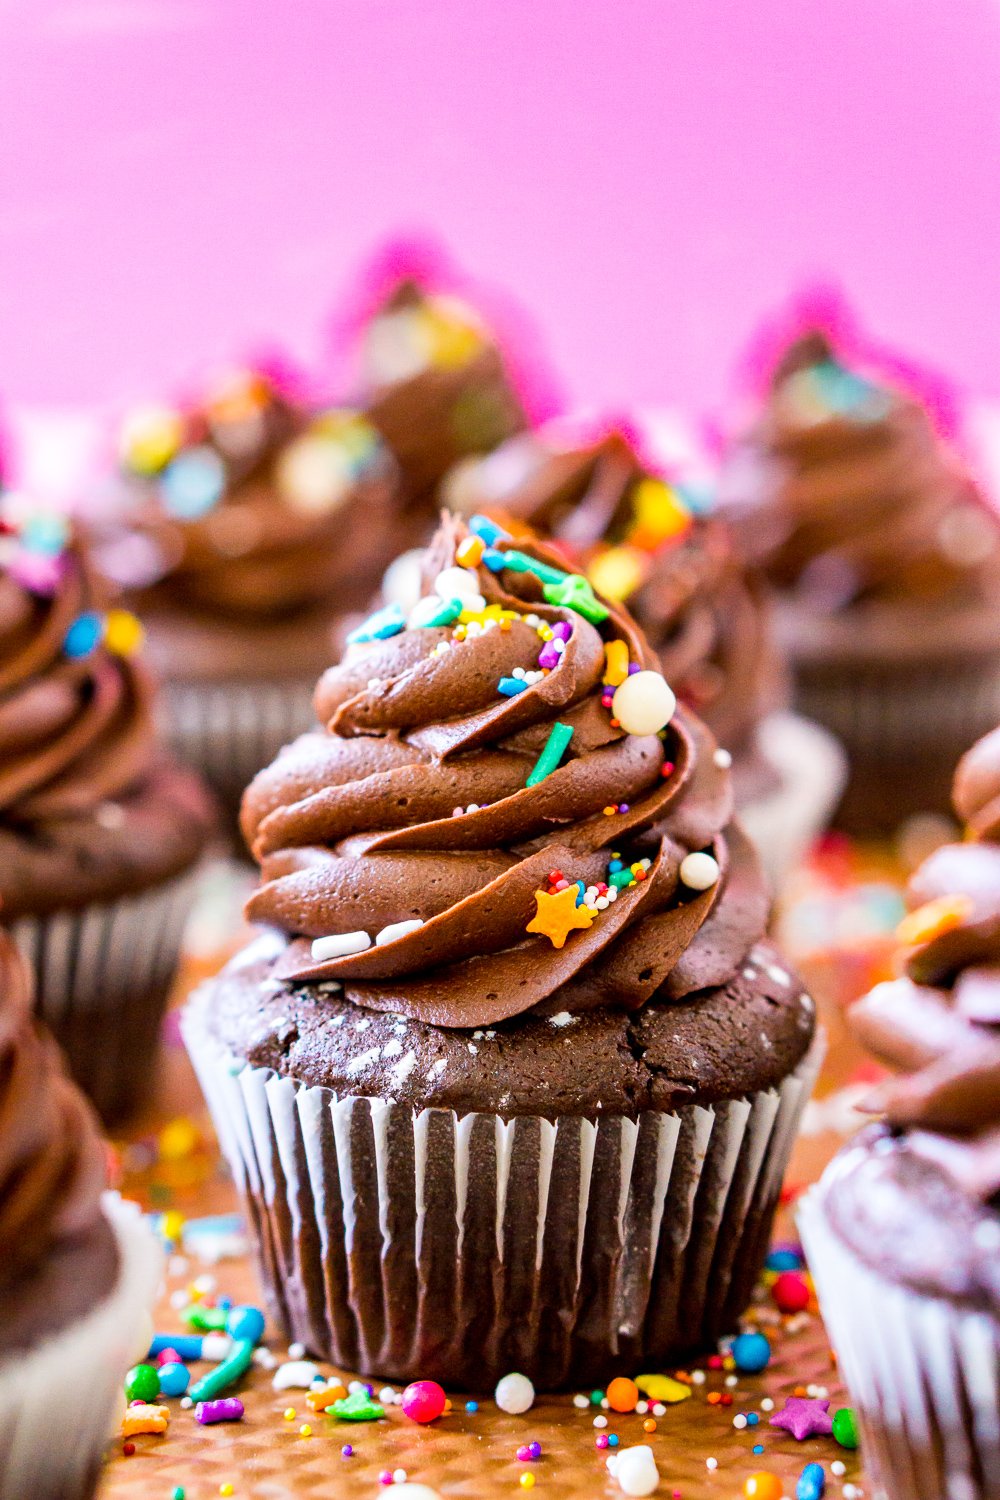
699,871
698,1377
711,1464
581,1402
767,1404
739,1422
514,1394
723,759
600,1421
296,1351
838,1468
732,1380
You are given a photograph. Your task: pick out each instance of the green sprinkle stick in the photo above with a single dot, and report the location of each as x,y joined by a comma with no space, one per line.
550,757
226,1374
205,1319
520,562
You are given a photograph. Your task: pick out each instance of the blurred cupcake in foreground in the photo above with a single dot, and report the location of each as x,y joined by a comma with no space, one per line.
515,1032
78,1268
436,386
243,528
654,545
886,558
100,833
903,1231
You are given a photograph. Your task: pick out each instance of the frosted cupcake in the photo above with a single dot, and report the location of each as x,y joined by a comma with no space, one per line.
650,544
243,528
101,834
78,1268
887,562
436,386
511,1080
903,1232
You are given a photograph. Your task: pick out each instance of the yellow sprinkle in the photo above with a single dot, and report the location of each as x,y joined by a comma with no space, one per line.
659,513
617,571
173,1224
663,1388
226,1489
616,657
469,552
305,1430
178,1139
545,632
934,919
150,438
609,812
123,633
527,1481
289,1414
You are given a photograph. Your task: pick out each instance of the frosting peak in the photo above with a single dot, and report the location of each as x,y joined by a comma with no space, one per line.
76,723
501,807
938,1025
843,490
643,542
52,1162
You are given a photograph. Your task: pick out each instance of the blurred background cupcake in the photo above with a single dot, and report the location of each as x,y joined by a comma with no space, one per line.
101,833
903,1231
886,559
656,545
78,1267
243,526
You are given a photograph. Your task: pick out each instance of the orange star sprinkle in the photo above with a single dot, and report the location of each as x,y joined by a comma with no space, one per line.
557,916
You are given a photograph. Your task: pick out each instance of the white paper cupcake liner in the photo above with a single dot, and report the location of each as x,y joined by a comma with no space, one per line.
419,1244
924,1374
102,977
230,730
58,1402
812,769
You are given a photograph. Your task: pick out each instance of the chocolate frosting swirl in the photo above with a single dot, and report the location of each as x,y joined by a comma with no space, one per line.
844,493
52,1162
938,1026
250,505
437,387
76,730
703,612
415,806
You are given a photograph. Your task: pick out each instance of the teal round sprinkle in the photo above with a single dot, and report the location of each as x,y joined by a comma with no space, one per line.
596,1397
83,635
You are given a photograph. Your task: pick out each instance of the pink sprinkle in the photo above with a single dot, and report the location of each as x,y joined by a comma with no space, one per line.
549,658
601,1441
562,629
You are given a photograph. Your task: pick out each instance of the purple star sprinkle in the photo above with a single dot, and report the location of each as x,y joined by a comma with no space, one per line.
804,1418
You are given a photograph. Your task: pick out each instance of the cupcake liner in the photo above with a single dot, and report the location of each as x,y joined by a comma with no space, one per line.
229,730
904,728
811,768
923,1373
102,977
58,1402
419,1244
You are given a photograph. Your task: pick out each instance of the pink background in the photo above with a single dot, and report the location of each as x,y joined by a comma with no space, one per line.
180,178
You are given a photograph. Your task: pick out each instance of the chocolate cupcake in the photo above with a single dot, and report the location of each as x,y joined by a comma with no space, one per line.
78,1268
887,562
243,528
436,387
100,833
512,1079
903,1231
646,542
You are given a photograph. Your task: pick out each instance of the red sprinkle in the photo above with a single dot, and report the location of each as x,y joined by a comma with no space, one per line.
128,1449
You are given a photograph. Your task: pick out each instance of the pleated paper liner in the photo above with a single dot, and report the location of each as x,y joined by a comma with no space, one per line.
923,1374
414,1244
904,728
229,730
60,1402
102,978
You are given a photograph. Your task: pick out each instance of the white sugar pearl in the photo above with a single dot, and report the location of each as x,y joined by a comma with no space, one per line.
600,1421
739,1421
723,759
698,871
456,583
387,1395
767,1404
838,1468
514,1394
340,945
643,703
296,1351
397,930
635,1470
711,1464
399,1476
581,1402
